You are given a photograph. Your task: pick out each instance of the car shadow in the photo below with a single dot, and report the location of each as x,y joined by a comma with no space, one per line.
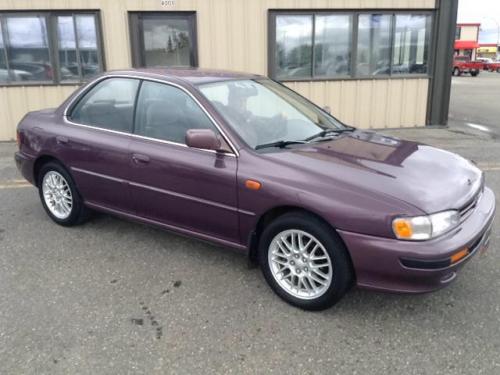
358,306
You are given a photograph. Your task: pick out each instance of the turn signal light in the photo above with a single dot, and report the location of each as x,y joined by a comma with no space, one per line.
253,185
402,228
459,255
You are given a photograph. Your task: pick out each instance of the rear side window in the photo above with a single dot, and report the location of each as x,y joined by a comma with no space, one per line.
167,113
108,105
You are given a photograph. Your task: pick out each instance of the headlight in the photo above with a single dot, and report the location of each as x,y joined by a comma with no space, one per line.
425,227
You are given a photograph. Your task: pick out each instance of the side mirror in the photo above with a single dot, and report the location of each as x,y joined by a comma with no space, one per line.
203,138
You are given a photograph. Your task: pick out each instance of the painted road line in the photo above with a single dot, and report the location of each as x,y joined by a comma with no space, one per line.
491,168
478,127
15,184
485,166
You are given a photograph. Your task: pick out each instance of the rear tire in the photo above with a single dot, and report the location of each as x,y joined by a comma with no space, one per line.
474,73
310,275
60,197
456,72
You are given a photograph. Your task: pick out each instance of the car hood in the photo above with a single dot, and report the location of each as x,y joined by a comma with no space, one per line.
426,177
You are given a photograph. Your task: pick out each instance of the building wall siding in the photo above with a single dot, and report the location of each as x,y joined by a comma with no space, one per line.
469,33
232,34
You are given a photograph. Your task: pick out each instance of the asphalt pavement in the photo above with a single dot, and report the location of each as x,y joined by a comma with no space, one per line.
475,102
115,297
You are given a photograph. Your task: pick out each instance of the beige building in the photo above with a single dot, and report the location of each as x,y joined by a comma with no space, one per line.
466,39
375,63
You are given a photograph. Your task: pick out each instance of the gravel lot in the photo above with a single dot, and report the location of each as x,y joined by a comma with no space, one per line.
118,297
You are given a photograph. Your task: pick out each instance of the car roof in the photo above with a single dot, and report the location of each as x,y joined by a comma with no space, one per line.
193,76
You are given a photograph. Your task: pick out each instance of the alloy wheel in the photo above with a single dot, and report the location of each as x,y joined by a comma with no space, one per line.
300,264
57,195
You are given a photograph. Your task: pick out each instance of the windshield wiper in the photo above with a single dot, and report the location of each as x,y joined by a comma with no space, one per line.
279,144
327,132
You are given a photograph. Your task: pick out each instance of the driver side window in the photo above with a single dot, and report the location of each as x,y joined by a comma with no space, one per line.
167,113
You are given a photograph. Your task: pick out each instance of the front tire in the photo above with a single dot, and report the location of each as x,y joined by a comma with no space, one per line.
304,261
60,198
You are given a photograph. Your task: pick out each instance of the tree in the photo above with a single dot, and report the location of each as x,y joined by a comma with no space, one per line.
170,46
176,41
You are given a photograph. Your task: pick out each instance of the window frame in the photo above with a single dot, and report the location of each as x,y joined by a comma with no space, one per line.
50,17
136,31
68,110
355,13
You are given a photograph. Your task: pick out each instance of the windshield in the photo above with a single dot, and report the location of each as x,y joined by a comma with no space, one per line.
263,111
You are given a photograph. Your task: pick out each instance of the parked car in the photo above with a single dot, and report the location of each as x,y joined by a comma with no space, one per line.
14,75
463,64
39,71
493,66
484,61
245,162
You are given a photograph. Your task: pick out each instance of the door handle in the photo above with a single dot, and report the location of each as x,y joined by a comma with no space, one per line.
62,140
140,158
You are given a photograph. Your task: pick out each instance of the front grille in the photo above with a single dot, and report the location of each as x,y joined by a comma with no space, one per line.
466,210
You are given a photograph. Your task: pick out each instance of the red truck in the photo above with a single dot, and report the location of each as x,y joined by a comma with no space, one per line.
463,64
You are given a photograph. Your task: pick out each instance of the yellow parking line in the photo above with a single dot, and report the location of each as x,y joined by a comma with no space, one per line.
15,184
489,167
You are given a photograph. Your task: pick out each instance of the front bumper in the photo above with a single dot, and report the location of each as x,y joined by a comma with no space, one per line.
378,261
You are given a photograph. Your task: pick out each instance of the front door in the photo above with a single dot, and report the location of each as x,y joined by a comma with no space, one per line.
171,183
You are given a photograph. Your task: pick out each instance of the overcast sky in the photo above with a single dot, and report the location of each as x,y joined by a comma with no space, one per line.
485,12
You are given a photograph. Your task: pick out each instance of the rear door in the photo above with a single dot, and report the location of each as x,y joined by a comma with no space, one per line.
96,144
173,184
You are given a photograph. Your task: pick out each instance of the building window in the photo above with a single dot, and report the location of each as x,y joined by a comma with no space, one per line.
458,33
27,55
411,44
294,46
374,45
332,46
163,39
49,47
77,47
4,72
326,45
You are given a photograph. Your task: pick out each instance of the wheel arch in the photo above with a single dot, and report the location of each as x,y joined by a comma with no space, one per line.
41,161
272,214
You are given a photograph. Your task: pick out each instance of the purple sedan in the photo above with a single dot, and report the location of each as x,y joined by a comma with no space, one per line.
243,161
